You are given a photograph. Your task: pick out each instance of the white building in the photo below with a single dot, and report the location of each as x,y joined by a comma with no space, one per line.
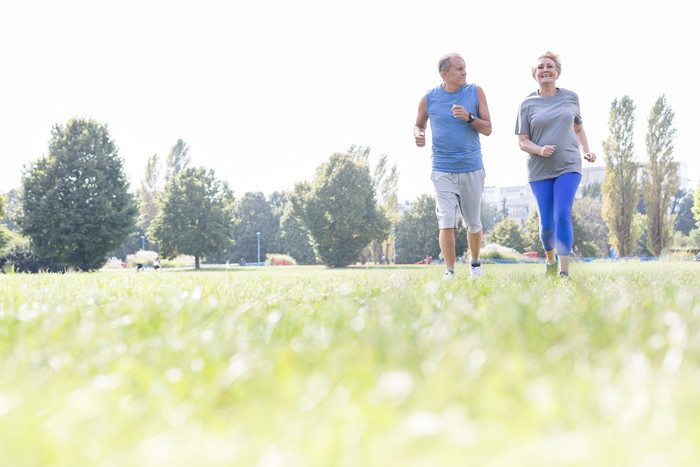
520,201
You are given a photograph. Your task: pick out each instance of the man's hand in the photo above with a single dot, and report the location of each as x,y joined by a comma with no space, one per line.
420,137
460,112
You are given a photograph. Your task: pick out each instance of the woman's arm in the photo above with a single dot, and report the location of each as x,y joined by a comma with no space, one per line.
583,143
531,148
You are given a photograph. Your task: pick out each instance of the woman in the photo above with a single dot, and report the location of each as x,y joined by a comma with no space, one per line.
550,130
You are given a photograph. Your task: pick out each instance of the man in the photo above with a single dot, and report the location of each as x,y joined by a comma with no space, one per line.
458,113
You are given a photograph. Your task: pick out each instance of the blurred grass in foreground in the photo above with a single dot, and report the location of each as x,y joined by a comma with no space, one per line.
385,366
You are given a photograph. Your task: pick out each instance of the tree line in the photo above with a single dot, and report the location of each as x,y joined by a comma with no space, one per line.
75,208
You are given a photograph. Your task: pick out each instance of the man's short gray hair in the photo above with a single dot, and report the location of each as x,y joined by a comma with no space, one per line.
446,62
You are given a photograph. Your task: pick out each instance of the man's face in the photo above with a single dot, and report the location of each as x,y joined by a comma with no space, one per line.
457,74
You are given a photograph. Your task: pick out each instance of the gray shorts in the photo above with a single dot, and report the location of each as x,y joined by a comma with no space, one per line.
458,194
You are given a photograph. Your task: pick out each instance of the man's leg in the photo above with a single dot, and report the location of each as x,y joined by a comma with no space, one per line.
474,240
447,246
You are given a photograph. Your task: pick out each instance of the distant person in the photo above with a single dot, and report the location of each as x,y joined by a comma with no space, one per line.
550,130
458,113
156,264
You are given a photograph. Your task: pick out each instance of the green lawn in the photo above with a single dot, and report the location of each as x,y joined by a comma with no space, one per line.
383,366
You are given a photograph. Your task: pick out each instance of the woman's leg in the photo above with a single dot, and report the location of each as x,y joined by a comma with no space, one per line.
564,189
544,195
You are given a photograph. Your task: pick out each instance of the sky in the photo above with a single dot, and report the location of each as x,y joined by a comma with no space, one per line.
263,92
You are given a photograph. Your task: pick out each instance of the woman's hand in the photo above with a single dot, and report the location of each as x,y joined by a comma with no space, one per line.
548,150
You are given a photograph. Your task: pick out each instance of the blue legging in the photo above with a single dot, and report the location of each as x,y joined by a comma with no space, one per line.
555,198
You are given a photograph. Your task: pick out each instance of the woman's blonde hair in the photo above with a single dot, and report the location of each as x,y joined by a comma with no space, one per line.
553,57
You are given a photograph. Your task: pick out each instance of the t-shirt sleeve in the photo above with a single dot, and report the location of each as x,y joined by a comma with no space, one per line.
522,124
577,111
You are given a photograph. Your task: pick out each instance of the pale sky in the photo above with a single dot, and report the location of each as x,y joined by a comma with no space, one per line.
264,91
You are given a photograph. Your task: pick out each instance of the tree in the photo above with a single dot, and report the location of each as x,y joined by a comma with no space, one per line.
178,159
582,243
696,206
295,239
507,233
12,209
592,190
503,212
277,202
4,233
488,217
660,182
253,214
385,180
620,192
531,235
148,193
417,232
339,209
682,208
640,235
590,212
195,215
75,202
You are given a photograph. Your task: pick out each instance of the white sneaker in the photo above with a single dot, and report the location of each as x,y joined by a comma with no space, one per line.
448,276
475,272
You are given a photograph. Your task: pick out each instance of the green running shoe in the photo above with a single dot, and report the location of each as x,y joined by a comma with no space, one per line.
552,268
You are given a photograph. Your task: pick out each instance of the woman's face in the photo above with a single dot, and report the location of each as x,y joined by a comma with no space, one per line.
546,71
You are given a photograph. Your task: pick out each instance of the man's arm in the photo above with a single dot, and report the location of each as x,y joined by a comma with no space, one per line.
481,122
421,122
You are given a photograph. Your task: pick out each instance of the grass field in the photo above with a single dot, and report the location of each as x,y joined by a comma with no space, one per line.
353,367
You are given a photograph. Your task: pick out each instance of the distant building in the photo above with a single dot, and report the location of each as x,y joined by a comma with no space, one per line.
519,200
597,175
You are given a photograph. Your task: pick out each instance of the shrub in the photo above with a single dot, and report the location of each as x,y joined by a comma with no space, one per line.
279,260
114,263
495,251
145,258
180,261
20,257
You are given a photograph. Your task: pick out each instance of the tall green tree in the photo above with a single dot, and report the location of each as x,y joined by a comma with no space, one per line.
76,204
386,180
4,232
682,208
195,215
178,159
253,214
696,206
278,202
507,233
660,182
339,209
295,239
13,206
417,232
582,244
592,190
620,190
531,234
590,212
148,193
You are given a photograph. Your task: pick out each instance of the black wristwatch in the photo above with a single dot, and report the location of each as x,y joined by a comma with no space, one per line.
471,117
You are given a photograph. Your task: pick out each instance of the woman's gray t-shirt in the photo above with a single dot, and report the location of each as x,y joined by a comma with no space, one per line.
550,121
